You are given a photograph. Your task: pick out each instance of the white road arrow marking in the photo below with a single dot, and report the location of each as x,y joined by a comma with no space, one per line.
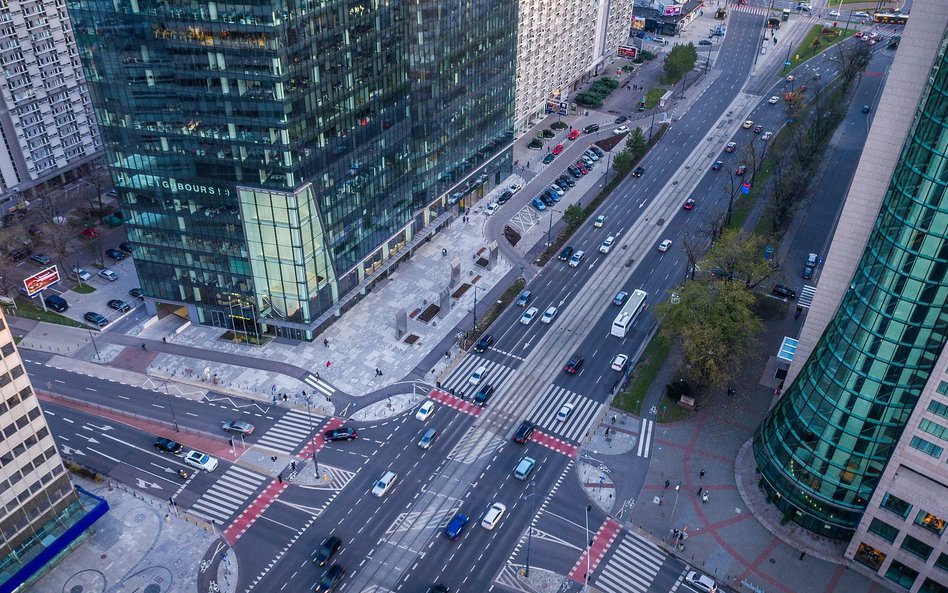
69,450
143,484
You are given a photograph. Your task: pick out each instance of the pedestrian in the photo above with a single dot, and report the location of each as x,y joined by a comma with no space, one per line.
286,398
328,364
293,465
528,164
705,497
701,474
700,490
326,342
274,399
164,340
143,346
799,310
661,499
230,441
273,459
614,417
802,555
316,374
607,431
380,372
667,484
280,477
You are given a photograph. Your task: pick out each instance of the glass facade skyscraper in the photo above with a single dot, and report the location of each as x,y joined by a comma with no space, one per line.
271,155
822,449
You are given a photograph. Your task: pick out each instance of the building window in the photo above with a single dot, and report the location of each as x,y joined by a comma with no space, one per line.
942,562
901,574
930,522
936,407
884,530
917,547
926,447
933,428
942,387
896,505
7,349
930,586
869,556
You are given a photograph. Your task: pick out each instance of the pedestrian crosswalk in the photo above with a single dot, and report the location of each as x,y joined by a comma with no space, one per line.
476,443
289,432
584,414
318,384
228,495
631,567
806,296
645,438
459,379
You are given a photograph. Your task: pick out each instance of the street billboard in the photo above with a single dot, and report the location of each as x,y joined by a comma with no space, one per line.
672,10
626,51
41,280
638,23
557,106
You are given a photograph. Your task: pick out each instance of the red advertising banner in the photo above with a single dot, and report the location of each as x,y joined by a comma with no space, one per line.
625,51
41,280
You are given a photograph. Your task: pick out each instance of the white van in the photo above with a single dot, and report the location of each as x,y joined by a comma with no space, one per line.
524,468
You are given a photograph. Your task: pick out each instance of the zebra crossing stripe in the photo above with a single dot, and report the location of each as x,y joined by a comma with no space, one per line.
632,567
322,386
227,494
583,416
645,438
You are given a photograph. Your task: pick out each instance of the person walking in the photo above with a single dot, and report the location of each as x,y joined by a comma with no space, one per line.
326,342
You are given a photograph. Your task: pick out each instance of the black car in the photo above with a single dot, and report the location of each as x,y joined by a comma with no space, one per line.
808,272
574,364
483,394
56,303
567,180
704,42
638,172
438,588
621,119
137,293
783,291
865,109
326,550
575,172
126,246
331,578
168,446
598,151
115,254
547,199
96,319
484,343
505,197
524,298
119,305
523,433
343,433
565,254
548,158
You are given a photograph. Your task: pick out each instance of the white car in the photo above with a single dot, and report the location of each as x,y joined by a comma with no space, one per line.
491,208
515,187
201,461
600,220
565,411
108,275
559,190
767,136
790,78
701,582
618,363
384,484
425,410
861,14
83,275
494,514
664,245
621,130
834,13
477,375
748,124
773,100
528,315
577,258
607,244
548,315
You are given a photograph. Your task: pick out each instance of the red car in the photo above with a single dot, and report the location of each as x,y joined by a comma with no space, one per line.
574,134
558,149
90,233
741,170
689,204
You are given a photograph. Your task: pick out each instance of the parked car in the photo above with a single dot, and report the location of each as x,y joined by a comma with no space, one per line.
108,275
119,305
89,233
56,303
573,134
599,152
704,42
81,273
783,291
621,119
548,158
343,433
95,319
41,259
538,204
115,254
126,246
558,149
137,293
505,197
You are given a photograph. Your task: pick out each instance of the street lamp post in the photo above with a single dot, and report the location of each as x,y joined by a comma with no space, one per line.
533,512
588,543
174,420
474,326
92,337
309,417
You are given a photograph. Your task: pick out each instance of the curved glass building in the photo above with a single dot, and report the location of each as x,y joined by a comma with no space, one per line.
825,444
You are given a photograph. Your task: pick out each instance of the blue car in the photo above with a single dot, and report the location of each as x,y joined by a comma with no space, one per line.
456,526
538,204
553,195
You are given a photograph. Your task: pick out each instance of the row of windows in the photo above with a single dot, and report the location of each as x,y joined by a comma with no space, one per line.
42,504
926,447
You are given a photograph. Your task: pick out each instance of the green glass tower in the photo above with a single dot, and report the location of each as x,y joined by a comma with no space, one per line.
271,155
824,446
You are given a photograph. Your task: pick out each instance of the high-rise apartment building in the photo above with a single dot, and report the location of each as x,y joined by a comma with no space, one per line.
559,45
855,448
46,120
273,156
41,514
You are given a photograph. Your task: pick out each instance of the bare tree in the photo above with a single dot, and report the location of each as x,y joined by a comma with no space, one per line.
851,59
9,276
99,181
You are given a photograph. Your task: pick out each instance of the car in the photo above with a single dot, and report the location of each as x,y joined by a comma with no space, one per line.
343,433
741,169
704,42
95,319
664,245
326,550
493,515
621,130
589,152
834,13
528,315
18,253
619,362
504,197
565,411
747,124
716,166
483,394
575,172
137,293
621,119
168,446
701,582
730,147
865,109
202,461
758,129
524,467
548,158
119,305
538,204
384,484
89,233
606,245
599,152
573,134
591,128
689,204
638,172
56,303
126,246
600,220
484,343
456,526
427,439
108,275
438,588
767,136
573,364
478,375
791,78
773,100
548,315
524,431
577,258
115,254
523,298
237,427
568,181
565,253
620,298
491,208
810,266
783,291
555,192
34,231
558,149
562,185
425,410
515,187
41,259
861,14
330,578
81,273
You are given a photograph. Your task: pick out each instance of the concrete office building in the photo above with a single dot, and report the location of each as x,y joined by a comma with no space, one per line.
560,45
41,514
855,446
46,120
273,159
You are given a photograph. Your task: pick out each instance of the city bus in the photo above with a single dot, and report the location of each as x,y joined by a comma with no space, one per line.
889,19
629,313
